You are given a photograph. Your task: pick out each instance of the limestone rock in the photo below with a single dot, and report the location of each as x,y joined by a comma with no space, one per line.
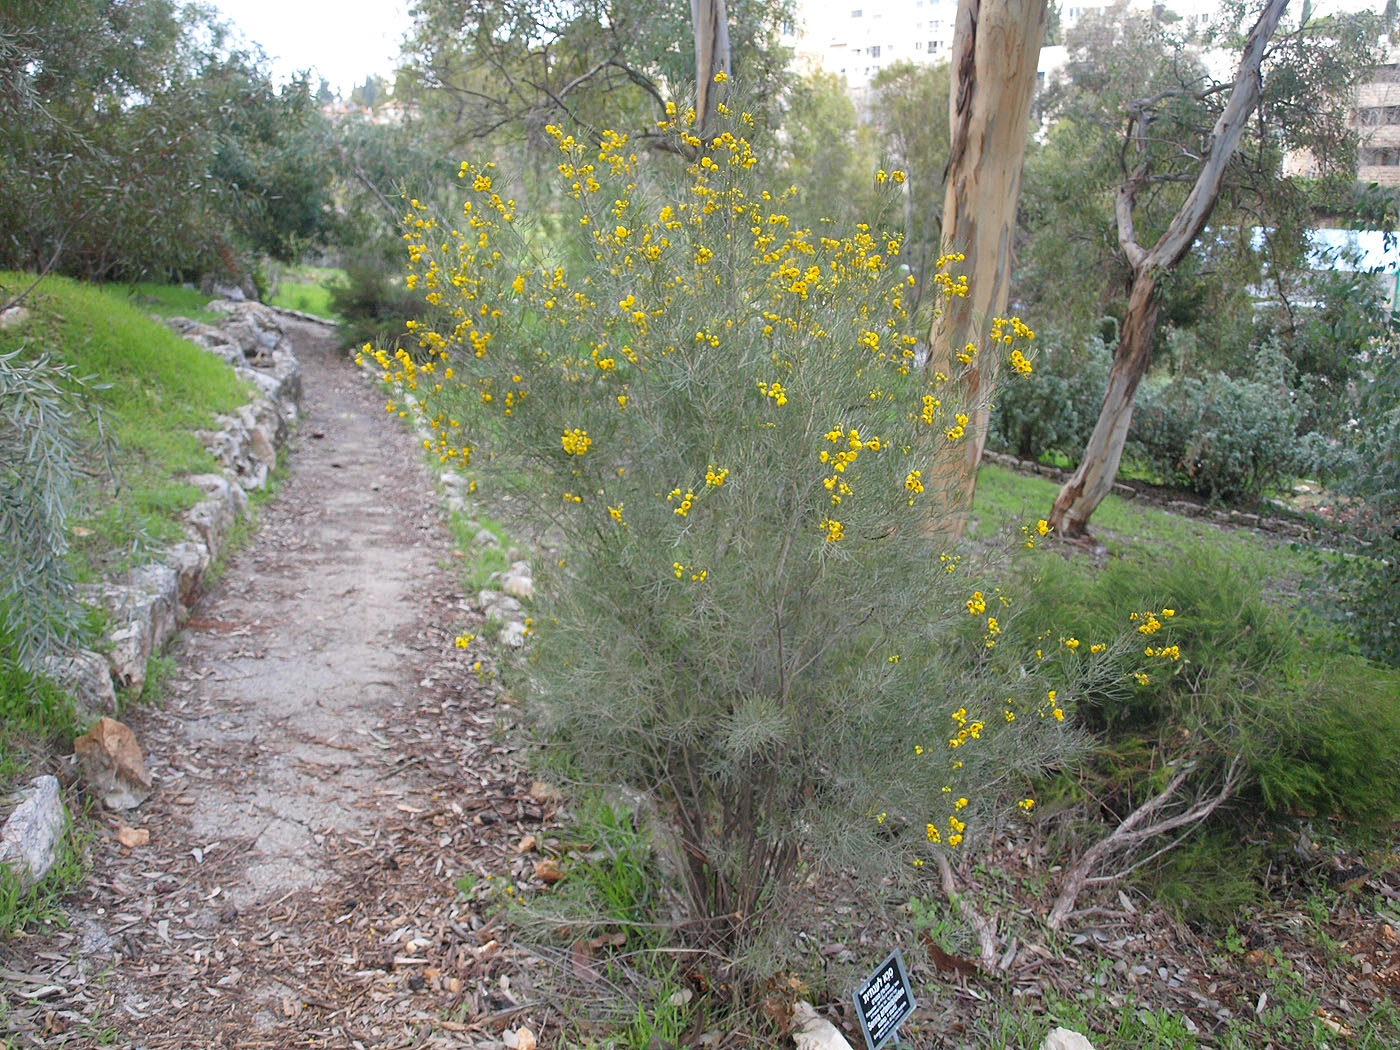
1065,1039
87,676
189,560
495,605
113,765
156,592
29,838
14,317
519,581
814,1032
513,634
211,519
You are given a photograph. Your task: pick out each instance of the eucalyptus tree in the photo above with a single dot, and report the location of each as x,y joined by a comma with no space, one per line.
1186,142
996,53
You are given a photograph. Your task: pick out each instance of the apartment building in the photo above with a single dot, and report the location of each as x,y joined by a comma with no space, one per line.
857,38
1376,118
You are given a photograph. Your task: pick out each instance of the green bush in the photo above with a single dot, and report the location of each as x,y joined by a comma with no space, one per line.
1222,438
1053,410
372,299
1317,731
758,618
1365,466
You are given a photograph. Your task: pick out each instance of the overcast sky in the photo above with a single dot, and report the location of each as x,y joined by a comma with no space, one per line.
342,40
347,40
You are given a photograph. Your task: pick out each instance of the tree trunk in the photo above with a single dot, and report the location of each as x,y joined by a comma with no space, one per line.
709,21
996,49
1093,479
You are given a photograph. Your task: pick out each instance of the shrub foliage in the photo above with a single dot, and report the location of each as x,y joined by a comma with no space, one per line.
760,618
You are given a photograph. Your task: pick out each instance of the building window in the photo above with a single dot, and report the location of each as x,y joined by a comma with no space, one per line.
1375,116
855,13
875,51
1378,158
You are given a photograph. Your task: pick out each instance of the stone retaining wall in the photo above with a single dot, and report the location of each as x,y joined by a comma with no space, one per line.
147,605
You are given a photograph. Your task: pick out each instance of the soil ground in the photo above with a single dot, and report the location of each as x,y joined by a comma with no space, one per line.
328,767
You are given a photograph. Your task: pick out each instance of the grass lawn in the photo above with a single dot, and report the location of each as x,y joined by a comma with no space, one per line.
306,288
167,300
151,390
1143,531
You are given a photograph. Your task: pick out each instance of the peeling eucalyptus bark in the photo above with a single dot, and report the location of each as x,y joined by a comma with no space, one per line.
996,50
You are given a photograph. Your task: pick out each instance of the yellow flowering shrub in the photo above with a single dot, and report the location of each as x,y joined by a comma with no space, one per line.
761,619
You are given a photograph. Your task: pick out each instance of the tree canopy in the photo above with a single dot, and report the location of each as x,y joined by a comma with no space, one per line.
141,138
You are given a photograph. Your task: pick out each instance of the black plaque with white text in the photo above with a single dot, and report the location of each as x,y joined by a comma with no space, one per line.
884,1000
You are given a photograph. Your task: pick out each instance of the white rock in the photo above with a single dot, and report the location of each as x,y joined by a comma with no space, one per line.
815,1032
520,587
88,678
513,634
486,538
189,560
29,839
14,317
127,656
1065,1039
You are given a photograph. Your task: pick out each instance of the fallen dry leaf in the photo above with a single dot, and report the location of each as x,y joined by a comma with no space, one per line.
525,845
524,1039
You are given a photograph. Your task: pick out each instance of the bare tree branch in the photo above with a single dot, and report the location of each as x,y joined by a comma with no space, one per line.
1137,827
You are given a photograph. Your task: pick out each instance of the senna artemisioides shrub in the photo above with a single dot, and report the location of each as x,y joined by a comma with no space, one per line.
760,617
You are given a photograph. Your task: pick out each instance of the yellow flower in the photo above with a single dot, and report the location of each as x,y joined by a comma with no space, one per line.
576,442
721,77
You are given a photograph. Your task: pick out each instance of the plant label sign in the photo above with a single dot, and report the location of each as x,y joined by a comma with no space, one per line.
884,1001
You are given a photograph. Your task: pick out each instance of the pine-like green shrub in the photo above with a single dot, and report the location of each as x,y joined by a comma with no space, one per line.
1365,466
760,619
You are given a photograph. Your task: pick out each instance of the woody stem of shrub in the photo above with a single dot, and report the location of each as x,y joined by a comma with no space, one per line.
988,948
1139,826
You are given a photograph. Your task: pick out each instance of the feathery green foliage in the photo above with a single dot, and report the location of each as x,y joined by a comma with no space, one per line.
761,620
41,401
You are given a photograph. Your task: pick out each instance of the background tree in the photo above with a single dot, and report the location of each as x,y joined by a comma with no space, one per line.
137,139
996,49
903,96
1185,132
486,67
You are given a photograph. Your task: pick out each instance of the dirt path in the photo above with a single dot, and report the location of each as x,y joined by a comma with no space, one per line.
329,767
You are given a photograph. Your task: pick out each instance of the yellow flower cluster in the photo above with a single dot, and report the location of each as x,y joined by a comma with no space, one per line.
576,442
